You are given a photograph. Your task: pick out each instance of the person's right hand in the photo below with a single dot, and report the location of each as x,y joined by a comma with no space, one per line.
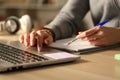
36,38
101,36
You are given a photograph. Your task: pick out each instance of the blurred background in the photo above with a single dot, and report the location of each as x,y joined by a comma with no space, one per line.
40,10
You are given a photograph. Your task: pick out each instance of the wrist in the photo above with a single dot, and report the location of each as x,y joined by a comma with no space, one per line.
50,32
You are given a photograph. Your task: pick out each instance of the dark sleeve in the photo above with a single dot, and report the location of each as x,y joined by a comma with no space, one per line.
68,20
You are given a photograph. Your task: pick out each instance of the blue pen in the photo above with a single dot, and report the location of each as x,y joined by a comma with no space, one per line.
99,24
102,23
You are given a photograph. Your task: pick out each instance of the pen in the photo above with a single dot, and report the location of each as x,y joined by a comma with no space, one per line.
99,24
102,23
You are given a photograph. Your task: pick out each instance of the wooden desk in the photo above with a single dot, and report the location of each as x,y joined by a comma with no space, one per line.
93,66
4,36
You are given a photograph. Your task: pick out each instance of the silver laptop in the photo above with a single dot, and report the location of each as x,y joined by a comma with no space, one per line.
14,56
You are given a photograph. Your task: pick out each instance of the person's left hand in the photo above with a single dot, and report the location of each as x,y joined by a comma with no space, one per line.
101,36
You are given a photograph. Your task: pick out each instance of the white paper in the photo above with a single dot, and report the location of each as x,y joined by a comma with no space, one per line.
76,45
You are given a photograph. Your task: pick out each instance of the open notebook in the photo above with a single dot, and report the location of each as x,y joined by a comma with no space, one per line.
78,46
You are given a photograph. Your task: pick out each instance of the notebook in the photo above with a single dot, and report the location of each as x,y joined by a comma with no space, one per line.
80,46
15,56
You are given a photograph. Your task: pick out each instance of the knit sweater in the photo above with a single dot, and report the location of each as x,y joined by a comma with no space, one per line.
68,20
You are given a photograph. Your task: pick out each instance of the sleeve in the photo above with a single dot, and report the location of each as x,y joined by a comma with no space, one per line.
68,20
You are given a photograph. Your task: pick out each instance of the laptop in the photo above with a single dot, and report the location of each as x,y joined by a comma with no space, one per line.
15,56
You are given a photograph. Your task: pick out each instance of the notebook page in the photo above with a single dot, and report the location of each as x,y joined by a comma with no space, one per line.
75,46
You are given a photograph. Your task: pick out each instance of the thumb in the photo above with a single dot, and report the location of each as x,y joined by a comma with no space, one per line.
48,40
78,36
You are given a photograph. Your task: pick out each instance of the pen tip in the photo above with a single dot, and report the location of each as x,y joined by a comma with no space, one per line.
68,44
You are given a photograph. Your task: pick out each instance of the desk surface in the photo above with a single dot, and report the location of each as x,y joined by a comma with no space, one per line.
92,66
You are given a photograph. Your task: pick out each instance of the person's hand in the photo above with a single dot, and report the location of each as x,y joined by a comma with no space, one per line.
36,38
101,36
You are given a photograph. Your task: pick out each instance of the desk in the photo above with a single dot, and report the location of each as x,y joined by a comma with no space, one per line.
92,66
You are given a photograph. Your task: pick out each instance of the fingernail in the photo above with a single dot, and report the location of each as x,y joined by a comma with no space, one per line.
39,49
26,44
21,41
77,36
31,43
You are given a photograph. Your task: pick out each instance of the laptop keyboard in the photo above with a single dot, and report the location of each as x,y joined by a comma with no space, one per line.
17,56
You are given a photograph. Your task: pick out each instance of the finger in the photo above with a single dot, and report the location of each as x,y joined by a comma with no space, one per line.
80,32
32,38
98,35
78,36
27,40
89,32
92,31
21,39
95,42
98,42
48,40
39,38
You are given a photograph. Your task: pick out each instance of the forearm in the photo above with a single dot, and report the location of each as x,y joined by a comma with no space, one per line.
68,20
